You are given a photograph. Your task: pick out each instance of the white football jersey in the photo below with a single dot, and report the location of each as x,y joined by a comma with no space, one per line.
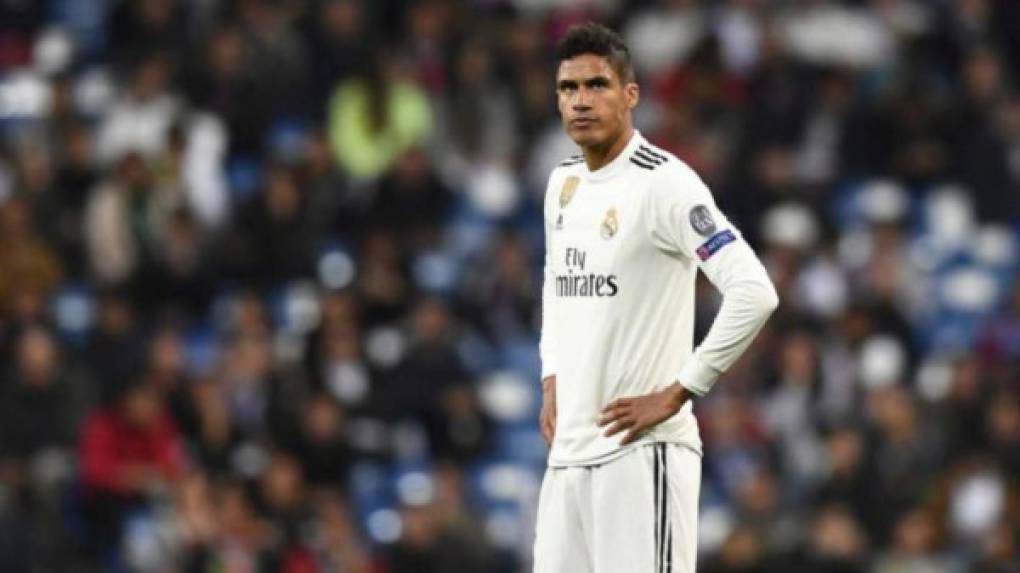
623,247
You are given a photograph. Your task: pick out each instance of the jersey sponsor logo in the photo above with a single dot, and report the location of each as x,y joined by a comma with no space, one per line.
701,221
610,225
579,283
586,285
718,241
568,190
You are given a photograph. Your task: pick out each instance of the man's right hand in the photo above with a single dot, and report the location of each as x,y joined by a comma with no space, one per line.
547,417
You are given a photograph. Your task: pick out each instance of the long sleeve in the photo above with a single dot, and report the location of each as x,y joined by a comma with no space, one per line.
547,338
687,223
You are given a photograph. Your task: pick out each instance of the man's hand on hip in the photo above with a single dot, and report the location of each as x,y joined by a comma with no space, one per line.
547,417
640,413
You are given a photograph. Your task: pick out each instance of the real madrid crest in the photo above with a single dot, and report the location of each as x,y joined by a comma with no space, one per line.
569,188
610,225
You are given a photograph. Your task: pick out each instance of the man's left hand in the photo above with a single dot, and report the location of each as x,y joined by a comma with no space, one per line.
639,413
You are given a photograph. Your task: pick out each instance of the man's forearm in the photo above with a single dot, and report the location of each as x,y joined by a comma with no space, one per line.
745,309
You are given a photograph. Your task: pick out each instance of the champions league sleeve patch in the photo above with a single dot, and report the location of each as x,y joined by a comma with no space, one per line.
718,241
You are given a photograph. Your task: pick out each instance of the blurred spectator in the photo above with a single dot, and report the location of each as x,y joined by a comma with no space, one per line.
216,437
790,410
375,117
336,32
836,543
850,478
383,285
343,370
441,536
146,26
131,454
664,34
122,220
245,540
982,153
759,500
282,498
260,400
501,292
29,269
273,239
999,551
181,273
43,405
906,455
411,201
1000,344
220,76
431,385
915,546
138,122
1002,423
74,179
742,551
323,450
166,370
476,116
197,523
114,350
964,413
336,542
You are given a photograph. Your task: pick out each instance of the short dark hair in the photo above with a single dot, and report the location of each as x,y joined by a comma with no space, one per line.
594,38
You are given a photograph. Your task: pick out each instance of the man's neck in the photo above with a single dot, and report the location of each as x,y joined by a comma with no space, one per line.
598,156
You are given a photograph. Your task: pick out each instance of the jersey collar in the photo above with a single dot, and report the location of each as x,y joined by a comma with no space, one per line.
618,163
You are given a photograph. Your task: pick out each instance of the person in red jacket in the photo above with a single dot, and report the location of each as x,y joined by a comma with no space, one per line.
130,452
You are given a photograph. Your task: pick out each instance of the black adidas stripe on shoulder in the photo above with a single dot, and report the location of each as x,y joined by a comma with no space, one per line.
654,152
642,164
572,160
647,158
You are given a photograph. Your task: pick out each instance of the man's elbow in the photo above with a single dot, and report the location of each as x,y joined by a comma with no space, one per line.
760,297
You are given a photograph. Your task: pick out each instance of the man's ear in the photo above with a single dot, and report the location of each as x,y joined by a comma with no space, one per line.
633,94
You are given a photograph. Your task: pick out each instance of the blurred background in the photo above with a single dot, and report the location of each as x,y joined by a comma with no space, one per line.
270,278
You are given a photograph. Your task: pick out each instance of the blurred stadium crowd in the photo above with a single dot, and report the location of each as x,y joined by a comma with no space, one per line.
270,278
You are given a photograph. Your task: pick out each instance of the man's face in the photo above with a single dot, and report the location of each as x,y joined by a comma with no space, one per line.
594,102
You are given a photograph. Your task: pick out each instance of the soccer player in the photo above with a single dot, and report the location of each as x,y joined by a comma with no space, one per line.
627,227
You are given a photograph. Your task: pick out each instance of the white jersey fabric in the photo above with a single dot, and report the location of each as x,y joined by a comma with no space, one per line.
623,247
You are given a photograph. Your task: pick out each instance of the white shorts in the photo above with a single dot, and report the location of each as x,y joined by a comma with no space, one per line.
635,514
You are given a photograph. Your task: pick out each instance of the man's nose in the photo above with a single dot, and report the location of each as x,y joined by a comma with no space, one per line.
582,99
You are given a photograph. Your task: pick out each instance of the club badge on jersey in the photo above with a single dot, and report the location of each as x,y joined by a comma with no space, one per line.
610,225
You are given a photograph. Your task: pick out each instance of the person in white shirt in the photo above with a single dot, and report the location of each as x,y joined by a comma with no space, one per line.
628,226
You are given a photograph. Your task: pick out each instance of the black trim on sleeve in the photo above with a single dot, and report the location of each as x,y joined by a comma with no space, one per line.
647,157
641,164
652,152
